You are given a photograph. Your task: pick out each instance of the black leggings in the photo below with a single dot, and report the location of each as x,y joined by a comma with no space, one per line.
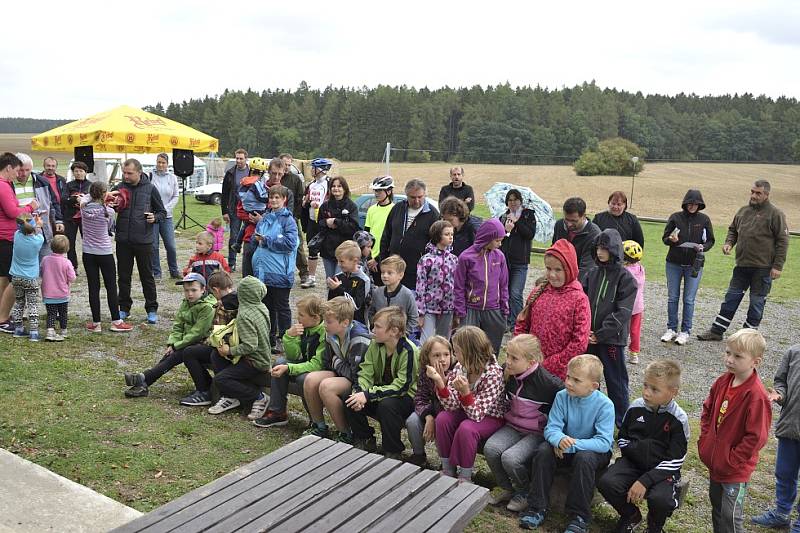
56,313
71,228
94,265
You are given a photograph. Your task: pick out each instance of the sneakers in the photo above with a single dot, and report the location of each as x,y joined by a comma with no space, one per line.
124,314
271,419
120,326
308,283
531,520
152,317
345,437
197,398
224,404
418,459
669,336
175,275
20,332
7,327
682,338
34,337
317,431
52,336
368,445
795,526
710,335
518,503
771,518
259,407
94,327
138,386
156,277
578,525
503,496
633,358
628,524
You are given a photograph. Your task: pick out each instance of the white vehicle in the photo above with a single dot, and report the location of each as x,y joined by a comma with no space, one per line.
108,168
212,193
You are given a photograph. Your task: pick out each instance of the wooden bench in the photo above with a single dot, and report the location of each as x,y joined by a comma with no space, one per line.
318,485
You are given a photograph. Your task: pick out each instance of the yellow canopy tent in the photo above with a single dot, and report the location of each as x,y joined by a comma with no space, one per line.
125,129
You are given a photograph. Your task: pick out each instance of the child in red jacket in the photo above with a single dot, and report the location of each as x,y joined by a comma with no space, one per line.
734,427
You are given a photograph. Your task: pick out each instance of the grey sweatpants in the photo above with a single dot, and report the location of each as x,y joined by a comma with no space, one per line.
415,426
727,504
491,321
509,454
437,325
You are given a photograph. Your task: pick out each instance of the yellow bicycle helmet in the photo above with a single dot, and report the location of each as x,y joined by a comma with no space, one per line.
633,250
259,164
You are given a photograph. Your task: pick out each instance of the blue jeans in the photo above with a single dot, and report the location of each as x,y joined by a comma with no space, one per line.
331,267
167,232
787,466
676,273
759,283
517,275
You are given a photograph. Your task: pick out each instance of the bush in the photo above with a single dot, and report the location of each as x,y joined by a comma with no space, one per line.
418,157
612,157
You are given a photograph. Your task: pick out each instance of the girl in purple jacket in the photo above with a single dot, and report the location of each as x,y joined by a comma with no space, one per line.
435,281
481,284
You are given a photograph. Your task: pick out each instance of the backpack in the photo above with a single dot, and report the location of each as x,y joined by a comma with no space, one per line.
225,334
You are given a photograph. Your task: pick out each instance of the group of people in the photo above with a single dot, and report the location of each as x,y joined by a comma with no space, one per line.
452,283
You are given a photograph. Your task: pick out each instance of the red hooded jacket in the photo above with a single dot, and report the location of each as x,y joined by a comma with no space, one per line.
561,317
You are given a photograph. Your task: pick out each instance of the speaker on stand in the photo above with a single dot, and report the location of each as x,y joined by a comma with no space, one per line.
183,167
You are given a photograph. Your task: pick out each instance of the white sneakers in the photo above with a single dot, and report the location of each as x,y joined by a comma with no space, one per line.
669,336
679,338
682,338
224,404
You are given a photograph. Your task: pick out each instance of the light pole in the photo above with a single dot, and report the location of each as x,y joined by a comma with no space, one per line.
634,160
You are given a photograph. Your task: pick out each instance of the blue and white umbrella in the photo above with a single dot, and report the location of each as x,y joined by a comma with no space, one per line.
545,221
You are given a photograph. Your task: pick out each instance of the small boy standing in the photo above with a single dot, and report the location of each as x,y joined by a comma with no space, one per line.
734,426
653,440
393,292
304,345
206,261
787,464
579,434
387,382
612,294
351,281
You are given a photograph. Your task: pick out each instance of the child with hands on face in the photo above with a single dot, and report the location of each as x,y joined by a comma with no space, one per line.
351,281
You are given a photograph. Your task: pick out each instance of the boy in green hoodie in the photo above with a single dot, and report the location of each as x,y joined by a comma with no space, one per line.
191,326
237,369
304,345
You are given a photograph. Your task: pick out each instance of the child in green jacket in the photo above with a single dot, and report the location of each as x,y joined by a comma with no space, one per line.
387,382
304,345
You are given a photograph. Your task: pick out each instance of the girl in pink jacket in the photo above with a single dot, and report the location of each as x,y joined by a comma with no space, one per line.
57,277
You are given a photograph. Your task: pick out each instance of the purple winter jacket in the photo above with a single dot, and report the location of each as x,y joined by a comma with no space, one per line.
481,280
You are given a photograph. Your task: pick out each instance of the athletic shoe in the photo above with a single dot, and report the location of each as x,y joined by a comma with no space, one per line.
795,526
120,326
134,379
771,518
344,437
224,404
315,430
94,327
197,398
682,338
368,444
628,524
633,358
710,335
175,275
503,496
20,332
669,336
531,520
156,277
124,314
34,336
271,419
137,391
418,459
7,327
308,283
259,407
152,317
52,336
518,503
578,525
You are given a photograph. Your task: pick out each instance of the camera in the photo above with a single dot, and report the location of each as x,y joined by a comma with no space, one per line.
698,263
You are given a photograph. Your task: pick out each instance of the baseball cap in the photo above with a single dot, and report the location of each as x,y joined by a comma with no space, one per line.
190,277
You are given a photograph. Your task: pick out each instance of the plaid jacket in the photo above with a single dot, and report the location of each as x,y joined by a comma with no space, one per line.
486,397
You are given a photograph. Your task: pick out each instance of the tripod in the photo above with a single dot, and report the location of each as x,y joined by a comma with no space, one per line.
184,218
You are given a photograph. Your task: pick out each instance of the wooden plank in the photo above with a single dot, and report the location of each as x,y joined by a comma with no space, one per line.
439,508
215,486
387,504
233,499
417,504
293,490
357,502
459,516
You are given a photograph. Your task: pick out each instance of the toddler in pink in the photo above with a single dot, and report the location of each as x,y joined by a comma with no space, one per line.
216,229
57,276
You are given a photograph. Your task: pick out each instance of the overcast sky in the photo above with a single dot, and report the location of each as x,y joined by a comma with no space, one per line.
73,59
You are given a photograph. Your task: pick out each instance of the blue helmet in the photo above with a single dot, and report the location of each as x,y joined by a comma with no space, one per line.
322,163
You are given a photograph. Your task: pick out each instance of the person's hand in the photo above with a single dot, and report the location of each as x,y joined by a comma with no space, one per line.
37,219
698,247
170,349
636,492
224,350
558,452
296,330
279,370
150,217
356,401
726,249
255,219
774,273
226,218
34,205
315,204
330,222
59,228
435,376
467,200
672,238
509,225
566,443
333,283
429,432
592,338
372,265
461,385
774,396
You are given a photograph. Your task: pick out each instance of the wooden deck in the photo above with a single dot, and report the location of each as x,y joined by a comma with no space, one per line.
318,485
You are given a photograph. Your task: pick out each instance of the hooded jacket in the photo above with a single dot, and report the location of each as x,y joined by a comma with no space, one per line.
274,257
252,324
305,352
465,236
517,245
583,241
49,208
345,357
787,384
435,281
345,212
70,204
481,280
132,226
403,363
560,317
694,227
192,322
611,290
407,243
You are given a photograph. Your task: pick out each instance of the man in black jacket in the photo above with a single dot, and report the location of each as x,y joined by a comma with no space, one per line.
406,230
579,230
294,183
140,206
458,188
230,189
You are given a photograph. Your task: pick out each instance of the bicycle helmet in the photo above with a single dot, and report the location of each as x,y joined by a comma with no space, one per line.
322,163
364,238
258,164
381,183
632,249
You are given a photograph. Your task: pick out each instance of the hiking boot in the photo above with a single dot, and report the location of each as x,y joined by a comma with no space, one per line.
259,407
20,333
152,317
633,358
628,524
368,444
34,337
503,496
578,525
137,391
710,335
133,379
271,419
7,327
531,520
518,503
197,398
418,459
94,327
308,283
224,404
52,336
682,338
120,326
669,336
315,430
771,518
